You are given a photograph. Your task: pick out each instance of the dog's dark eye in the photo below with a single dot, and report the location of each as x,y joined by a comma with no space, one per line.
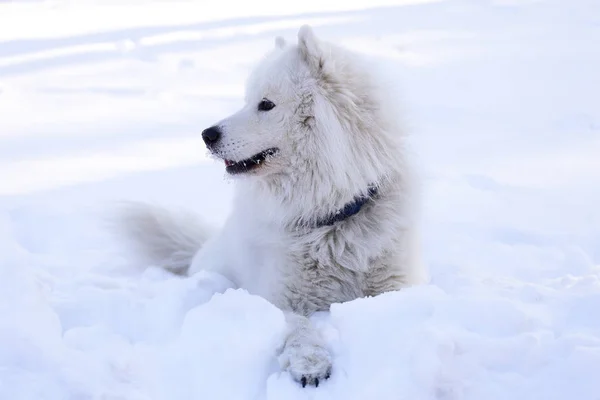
265,105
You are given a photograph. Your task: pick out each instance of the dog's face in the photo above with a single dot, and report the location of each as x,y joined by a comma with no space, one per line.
257,140
260,139
307,110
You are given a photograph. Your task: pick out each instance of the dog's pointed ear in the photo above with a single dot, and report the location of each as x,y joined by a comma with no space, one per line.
279,42
310,48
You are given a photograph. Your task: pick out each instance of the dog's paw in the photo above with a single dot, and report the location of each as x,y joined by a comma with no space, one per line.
308,364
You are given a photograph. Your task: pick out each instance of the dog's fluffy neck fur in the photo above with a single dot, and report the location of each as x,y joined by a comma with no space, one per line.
300,205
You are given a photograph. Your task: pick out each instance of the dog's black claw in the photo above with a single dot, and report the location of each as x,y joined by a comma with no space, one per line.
316,382
303,381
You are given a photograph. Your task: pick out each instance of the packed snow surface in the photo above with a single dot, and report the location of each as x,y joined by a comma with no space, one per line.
104,101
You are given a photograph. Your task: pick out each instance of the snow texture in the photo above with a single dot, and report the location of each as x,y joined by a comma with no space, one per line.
104,101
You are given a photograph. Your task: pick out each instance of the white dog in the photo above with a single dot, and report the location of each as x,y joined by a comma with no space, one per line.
322,211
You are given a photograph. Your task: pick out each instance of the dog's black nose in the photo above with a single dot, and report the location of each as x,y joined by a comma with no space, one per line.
211,135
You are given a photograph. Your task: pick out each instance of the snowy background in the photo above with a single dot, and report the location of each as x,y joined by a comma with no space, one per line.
103,101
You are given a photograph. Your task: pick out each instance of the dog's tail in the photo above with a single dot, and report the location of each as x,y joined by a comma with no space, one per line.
159,237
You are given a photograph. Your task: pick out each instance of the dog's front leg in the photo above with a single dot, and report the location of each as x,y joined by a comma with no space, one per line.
303,353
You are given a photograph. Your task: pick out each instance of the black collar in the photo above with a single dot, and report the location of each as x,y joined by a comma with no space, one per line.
349,209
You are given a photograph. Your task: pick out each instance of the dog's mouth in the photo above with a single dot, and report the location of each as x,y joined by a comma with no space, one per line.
249,164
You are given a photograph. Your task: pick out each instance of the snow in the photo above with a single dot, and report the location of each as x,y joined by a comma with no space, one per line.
104,101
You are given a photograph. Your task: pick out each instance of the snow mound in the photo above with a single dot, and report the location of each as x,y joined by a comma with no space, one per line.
86,333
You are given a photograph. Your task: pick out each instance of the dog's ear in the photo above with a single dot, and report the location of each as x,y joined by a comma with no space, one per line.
279,42
310,48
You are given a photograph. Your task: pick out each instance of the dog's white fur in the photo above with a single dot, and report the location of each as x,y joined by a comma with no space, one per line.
337,133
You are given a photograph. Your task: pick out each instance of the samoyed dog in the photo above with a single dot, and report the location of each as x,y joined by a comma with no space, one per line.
324,205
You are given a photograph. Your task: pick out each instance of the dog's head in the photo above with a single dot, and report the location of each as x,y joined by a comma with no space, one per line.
312,112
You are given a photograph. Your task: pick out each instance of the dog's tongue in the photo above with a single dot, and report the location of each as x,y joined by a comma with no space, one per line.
229,163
